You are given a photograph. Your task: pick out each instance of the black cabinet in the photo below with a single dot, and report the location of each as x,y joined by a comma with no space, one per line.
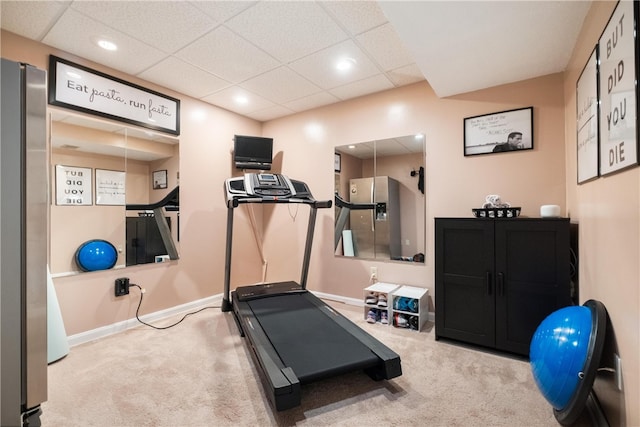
497,279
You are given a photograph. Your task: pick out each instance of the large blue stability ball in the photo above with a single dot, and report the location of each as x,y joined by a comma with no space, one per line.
558,353
95,255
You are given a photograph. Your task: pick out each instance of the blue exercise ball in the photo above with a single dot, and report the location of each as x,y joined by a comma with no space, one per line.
95,255
558,353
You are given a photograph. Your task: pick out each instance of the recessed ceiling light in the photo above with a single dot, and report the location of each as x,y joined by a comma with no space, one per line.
352,147
419,136
345,64
107,45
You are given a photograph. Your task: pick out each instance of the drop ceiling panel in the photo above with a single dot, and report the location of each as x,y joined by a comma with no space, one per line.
356,16
287,30
168,26
78,34
312,101
39,14
405,75
228,56
386,47
320,67
281,85
221,11
371,84
171,71
226,98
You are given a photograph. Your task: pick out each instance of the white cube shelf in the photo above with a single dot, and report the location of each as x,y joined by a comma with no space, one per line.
381,290
409,307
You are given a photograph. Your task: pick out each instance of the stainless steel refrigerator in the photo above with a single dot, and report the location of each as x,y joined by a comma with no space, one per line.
376,232
23,243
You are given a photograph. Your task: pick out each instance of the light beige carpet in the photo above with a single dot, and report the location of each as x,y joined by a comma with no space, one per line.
199,373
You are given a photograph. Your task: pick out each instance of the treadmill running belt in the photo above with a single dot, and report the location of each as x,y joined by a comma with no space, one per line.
307,339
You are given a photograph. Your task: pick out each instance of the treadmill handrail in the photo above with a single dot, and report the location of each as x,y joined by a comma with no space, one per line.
170,200
341,218
342,203
317,204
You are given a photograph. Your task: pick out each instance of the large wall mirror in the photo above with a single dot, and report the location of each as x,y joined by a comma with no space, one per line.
380,200
98,167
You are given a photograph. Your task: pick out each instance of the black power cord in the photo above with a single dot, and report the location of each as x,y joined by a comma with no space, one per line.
163,327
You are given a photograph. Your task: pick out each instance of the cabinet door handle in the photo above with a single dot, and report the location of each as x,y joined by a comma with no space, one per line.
489,283
500,290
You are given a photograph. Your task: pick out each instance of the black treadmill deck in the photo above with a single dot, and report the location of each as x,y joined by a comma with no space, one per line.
296,338
307,341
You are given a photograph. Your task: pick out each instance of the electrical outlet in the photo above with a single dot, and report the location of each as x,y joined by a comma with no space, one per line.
618,368
122,286
374,273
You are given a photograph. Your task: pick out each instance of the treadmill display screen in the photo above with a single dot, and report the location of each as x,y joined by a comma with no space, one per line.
267,177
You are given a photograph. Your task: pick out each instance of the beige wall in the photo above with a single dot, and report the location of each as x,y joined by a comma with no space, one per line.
87,300
453,183
608,213
606,209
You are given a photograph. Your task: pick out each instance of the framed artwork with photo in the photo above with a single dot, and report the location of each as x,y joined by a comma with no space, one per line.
160,179
500,132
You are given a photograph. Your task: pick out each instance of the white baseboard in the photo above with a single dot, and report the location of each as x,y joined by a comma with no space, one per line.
105,331
114,328
345,300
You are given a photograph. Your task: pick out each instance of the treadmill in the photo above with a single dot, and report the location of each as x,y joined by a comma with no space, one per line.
295,338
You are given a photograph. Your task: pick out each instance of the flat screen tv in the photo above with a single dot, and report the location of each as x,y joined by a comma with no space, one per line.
252,152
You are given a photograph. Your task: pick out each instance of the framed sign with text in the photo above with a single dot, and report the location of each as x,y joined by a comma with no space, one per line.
587,120
73,186
618,90
110,187
82,89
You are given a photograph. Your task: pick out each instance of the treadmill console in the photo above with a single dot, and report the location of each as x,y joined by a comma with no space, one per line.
266,186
